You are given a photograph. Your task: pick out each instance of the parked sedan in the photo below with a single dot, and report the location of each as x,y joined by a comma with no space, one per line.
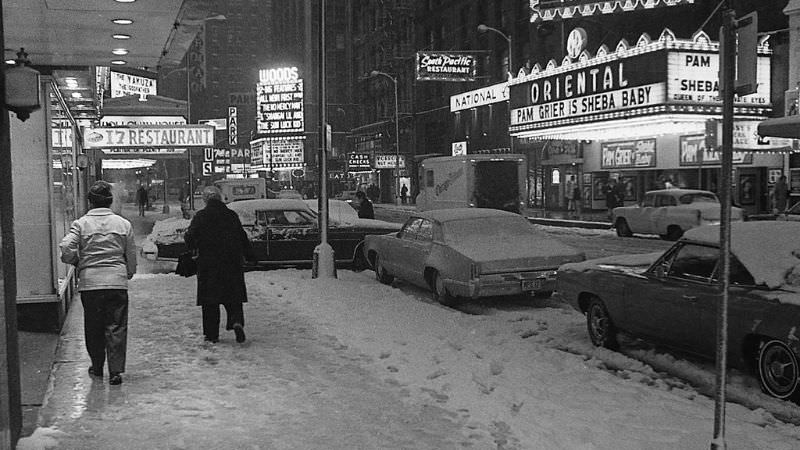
469,252
670,212
284,232
671,298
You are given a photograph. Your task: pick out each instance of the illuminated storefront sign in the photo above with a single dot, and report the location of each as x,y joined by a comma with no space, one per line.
387,161
123,84
149,136
280,102
359,161
693,152
123,121
547,10
628,154
694,78
450,66
276,154
479,97
634,82
657,78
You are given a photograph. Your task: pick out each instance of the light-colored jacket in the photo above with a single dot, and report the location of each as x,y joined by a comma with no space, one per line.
101,245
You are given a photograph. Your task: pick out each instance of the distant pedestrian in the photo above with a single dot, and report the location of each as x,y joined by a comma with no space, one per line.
569,194
222,245
141,199
613,197
780,195
100,244
403,194
576,198
365,209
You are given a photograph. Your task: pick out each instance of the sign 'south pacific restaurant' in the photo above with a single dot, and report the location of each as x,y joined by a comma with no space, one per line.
638,114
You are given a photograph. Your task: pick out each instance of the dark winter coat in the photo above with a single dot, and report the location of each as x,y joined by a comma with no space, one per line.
217,234
613,196
365,210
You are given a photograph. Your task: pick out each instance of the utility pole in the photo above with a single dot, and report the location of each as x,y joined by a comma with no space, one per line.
727,71
323,264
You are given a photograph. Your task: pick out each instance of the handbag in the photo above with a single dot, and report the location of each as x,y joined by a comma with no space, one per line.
187,264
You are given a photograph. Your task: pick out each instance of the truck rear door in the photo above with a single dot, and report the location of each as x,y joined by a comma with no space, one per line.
497,185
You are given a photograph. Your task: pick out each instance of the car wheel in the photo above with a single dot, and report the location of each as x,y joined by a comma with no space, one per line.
440,293
601,329
778,370
380,272
623,230
674,233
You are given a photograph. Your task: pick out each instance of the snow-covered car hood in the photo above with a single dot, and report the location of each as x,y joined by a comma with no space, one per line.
504,254
635,263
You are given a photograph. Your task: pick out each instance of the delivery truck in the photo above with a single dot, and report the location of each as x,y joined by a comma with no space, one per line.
235,189
473,181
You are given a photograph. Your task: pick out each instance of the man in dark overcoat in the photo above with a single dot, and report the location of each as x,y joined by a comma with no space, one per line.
222,245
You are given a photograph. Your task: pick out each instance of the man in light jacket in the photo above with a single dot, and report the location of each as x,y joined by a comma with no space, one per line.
100,244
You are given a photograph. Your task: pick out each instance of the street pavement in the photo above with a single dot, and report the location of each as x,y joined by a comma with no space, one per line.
53,366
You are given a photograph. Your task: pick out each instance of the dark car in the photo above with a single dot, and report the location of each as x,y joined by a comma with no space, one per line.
284,232
672,298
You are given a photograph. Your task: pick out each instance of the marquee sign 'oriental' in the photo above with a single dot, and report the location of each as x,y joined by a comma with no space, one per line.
663,76
145,136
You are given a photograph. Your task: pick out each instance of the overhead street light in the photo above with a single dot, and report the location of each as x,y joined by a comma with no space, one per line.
484,28
378,73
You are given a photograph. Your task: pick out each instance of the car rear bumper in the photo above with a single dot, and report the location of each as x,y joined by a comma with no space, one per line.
514,283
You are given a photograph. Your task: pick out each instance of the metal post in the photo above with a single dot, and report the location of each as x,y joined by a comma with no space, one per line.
323,263
727,59
397,144
10,390
189,149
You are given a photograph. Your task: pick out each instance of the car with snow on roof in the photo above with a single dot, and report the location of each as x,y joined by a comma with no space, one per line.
671,298
284,232
469,253
670,212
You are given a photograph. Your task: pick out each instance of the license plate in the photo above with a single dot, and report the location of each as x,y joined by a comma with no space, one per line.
531,285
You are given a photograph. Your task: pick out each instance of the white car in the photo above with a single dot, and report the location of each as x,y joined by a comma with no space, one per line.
670,212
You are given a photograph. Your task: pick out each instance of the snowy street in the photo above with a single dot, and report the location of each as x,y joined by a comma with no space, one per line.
350,363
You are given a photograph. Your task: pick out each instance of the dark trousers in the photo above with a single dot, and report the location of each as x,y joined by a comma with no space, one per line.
105,325
234,313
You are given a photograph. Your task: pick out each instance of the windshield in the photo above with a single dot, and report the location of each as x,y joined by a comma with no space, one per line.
498,228
700,197
279,217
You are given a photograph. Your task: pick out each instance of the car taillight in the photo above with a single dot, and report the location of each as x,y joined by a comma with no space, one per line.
474,271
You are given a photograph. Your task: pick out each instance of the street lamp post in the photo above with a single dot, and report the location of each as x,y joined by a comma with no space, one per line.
483,29
376,73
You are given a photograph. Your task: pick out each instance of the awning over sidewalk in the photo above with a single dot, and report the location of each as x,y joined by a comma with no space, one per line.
785,127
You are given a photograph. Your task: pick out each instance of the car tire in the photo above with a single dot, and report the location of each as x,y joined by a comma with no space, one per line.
778,370
440,293
380,272
623,230
674,233
602,331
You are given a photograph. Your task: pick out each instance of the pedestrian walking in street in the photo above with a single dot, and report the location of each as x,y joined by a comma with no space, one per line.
141,199
403,194
365,209
780,195
100,244
222,245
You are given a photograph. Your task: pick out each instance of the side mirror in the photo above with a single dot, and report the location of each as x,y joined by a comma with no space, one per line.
399,234
660,271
